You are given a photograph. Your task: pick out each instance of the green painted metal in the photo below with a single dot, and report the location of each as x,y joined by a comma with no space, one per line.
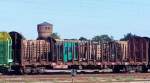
69,49
5,49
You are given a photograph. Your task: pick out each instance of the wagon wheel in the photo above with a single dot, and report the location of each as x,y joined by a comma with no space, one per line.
144,69
128,69
34,71
139,68
27,70
5,71
41,70
116,69
21,71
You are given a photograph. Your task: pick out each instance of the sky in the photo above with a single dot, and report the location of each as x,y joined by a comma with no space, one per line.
75,18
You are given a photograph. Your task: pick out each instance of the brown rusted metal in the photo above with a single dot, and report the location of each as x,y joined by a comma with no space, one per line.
123,48
41,52
35,52
138,50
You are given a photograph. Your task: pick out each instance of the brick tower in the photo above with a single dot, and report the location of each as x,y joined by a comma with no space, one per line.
44,30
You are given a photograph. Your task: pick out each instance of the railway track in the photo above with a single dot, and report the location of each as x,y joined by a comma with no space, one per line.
66,75
79,78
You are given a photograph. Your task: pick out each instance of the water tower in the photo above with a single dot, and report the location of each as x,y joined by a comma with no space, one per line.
45,30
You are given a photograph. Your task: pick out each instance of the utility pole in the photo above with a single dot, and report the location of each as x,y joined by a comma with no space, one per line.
73,74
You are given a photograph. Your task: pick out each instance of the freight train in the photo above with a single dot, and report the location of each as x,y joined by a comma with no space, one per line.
35,56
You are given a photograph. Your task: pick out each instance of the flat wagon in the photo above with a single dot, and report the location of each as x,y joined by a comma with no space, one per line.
35,55
87,55
138,56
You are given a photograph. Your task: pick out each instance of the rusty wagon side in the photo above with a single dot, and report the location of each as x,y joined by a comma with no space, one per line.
117,55
135,54
138,51
99,53
87,54
36,55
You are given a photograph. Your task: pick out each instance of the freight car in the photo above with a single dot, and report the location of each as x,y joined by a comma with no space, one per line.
138,56
38,55
16,49
34,56
87,55
118,56
5,51
98,55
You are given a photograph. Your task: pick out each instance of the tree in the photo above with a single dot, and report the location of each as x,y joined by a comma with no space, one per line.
102,38
127,37
55,36
83,39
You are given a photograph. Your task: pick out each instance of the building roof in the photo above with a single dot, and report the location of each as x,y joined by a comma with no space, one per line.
45,24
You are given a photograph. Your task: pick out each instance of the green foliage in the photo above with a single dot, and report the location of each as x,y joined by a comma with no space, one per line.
102,38
83,39
55,36
127,36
